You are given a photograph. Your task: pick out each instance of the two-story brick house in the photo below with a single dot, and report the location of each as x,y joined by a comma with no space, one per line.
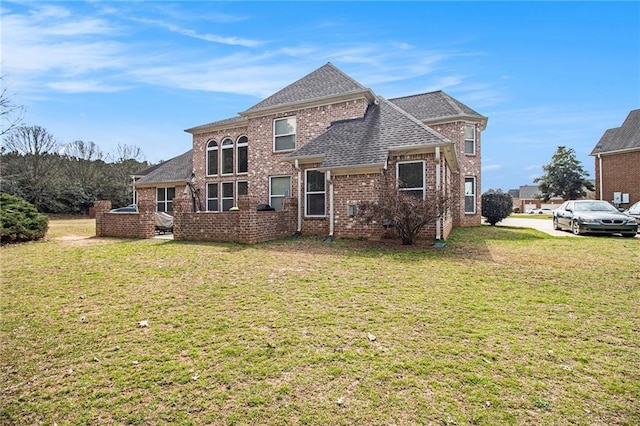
319,147
617,162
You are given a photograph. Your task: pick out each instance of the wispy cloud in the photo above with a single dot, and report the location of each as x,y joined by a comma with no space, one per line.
491,167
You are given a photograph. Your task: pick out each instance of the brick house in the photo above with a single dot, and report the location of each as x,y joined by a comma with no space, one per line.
617,163
314,150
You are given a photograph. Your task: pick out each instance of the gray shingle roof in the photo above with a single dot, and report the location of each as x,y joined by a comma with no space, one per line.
177,169
239,120
529,192
325,82
367,141
435,105
621,138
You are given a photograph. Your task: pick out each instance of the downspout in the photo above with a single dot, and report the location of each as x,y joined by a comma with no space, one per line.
600,175
331,216
438,189
299,230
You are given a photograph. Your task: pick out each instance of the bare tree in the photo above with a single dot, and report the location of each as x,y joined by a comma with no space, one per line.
10,114
34,162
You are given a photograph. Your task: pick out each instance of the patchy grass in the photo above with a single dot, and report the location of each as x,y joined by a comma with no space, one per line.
501,326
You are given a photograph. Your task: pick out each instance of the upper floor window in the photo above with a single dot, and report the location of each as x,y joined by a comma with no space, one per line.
226,156
212,158
411,179
284,134
164,199
242,157
470,139
315,193
470,194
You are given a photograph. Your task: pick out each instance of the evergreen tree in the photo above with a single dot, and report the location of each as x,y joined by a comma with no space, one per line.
564,177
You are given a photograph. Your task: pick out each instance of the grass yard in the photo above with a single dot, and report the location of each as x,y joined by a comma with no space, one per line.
501,326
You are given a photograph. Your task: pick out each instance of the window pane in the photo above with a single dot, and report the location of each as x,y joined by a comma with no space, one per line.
286,126
469,147
315,181
227,189
171,194
212,197
160,207
281,186
285,142
227,156
169,206
469,132
411,175
227,203
315,205
212,205
469,195
160,194
212,162
276,203
243,160
243,188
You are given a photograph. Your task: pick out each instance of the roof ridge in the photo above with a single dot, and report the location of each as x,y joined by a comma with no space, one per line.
414,95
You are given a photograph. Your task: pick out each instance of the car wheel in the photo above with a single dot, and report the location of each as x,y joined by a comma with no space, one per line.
555,224
575,228
628,235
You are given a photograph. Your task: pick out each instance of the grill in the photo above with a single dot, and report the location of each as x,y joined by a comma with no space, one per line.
613,221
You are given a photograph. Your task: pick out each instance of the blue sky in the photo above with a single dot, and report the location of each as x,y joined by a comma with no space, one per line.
139,73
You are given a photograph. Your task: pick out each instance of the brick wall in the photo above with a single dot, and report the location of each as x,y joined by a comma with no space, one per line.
244,226
125,225
469,166
621,173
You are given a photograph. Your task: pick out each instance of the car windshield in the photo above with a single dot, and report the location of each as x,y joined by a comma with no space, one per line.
595,206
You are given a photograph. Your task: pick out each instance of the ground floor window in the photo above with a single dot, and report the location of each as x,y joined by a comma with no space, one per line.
164,199
411,179
279,188
242,187
227,196
212,197
315,193
470,194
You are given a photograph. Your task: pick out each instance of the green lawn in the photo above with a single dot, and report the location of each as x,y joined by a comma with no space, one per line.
501,326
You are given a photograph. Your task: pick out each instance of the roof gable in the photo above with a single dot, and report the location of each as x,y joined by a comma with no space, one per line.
326,82
621,138
436,106
367,141
177,169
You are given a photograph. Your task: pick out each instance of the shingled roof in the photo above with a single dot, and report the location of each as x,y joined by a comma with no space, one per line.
177,169
324,83
621,138
367,141
236,121
436,106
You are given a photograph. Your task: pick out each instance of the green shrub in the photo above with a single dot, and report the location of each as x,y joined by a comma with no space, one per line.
20,221
496,205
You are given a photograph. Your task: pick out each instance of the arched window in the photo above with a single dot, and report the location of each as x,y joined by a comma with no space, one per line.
226,157
212,158
242,157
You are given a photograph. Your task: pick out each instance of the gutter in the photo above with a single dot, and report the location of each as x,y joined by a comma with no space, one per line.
331,213
600,175
297,167
438,189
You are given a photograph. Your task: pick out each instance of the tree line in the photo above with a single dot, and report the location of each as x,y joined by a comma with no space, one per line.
65,178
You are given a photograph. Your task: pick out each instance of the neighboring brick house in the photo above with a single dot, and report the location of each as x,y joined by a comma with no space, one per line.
319,147
617,163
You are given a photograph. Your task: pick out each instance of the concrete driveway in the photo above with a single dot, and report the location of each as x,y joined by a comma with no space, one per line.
544,225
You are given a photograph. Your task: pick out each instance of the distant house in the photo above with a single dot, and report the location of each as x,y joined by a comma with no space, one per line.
528,197
617,163
312,152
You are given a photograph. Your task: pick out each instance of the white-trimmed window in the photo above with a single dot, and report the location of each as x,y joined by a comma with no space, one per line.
284,134
315,193
164,199
279,188
227,196
212,158
226,157
470,139
469,194
411,178
212,197
242,188
242,158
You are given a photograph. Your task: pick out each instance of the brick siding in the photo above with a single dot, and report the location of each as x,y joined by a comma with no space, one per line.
620,173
